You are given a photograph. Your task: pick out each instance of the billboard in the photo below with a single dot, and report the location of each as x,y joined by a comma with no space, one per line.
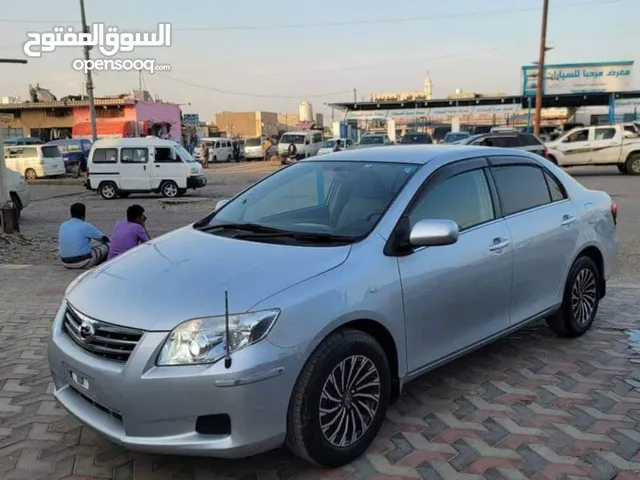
191,119
579,78
410,113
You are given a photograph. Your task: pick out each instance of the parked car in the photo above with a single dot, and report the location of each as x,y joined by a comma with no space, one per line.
329,145
601,145
18,190
416,139
35,161
254,148
453,137
374,140
119,167
220,149
519,140
22,141
73,151
335,282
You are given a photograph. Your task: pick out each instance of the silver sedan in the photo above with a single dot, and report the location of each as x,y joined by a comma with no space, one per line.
298,310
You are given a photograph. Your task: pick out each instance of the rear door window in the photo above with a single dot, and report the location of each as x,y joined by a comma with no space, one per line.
529,140
50,151
520,187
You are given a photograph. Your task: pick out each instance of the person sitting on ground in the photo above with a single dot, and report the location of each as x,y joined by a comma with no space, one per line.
130,233
74,241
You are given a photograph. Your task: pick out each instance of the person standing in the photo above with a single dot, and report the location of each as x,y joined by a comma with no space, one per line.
129,233
75,238
337,146
267,149
204,153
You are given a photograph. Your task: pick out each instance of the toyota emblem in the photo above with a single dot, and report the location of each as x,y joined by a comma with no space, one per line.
87,331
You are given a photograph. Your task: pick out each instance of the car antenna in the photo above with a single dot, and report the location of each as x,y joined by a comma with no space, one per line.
227,353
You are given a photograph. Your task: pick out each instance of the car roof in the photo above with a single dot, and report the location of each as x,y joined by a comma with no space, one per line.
416,154
133,142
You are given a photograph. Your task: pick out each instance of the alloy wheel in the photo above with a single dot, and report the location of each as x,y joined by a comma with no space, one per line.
349,401
635,165
108,191
170,190
584,296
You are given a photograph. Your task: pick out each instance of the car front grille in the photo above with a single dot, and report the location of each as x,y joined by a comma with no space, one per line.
110,342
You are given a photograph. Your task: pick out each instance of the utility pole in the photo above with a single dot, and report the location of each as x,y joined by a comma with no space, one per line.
541,68
8,213
137,124
355,96
92,105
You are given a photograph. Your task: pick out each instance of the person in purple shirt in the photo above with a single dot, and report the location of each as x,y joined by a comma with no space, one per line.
130,233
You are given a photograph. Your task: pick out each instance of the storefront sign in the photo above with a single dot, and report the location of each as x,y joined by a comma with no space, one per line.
579,78
410,113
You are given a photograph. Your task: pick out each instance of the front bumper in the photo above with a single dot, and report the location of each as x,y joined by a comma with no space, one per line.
198,181
154,409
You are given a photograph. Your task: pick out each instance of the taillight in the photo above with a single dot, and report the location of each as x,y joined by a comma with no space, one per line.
614,213
546,153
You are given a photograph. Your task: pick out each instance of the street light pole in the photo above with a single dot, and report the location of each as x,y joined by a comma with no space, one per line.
541,73
92,105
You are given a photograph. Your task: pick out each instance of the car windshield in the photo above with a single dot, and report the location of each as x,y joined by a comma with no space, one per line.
329,144
372,140
416,138
253,142
51,152
343,199
296,139
455,137
184,153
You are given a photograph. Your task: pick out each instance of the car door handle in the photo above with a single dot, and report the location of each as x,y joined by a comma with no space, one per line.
567,221
499,244
157,166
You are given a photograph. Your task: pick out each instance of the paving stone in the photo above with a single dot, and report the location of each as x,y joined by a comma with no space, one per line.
530,406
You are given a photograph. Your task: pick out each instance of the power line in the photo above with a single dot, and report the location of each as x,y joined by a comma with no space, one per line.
255,95
351,22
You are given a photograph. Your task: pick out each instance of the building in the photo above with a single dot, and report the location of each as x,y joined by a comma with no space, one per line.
69,117
426,94
247,124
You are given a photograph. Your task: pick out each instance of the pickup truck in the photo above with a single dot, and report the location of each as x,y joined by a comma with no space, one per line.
597,145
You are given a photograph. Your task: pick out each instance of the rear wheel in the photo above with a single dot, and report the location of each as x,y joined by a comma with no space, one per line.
582,294
108,190
632,165
340,399
30,174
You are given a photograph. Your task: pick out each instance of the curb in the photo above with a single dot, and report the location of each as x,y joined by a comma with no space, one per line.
57,181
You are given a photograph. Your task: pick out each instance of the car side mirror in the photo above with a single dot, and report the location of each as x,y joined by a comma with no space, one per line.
434,233
221,203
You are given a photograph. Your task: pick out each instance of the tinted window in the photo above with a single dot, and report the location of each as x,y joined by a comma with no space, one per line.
416,138
605,133
105,155
555,187
372,140
463,198
505,142
134,155
528,140
253,142
165,155
50,152
520,187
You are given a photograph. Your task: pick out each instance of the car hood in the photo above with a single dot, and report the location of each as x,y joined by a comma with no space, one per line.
184,274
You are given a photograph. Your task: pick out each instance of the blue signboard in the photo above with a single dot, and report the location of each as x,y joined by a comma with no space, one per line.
191,119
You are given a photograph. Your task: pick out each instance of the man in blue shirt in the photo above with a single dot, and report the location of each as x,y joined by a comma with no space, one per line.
74,238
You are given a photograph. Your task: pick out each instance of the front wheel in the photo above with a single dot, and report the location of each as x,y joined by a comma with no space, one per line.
169,189
340,399
582,294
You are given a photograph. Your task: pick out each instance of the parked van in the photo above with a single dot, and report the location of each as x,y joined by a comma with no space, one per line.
253,149
35,161
73,150
307,143
121,166
220,149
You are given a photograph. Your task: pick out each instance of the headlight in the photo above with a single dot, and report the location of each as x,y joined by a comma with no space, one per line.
202,340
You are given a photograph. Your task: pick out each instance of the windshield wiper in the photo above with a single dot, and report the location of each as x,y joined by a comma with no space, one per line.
246,227
299,236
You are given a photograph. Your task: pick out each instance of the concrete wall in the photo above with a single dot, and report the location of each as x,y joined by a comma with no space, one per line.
247,124
38,118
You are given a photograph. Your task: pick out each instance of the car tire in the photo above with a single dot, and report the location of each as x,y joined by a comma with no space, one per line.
108,190
632,165
312,435
580,301
622,168
169,189
30,174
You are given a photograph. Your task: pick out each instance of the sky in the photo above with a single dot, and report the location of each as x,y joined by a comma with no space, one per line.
250,55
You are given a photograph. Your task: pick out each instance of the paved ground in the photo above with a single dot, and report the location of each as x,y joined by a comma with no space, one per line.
530,406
